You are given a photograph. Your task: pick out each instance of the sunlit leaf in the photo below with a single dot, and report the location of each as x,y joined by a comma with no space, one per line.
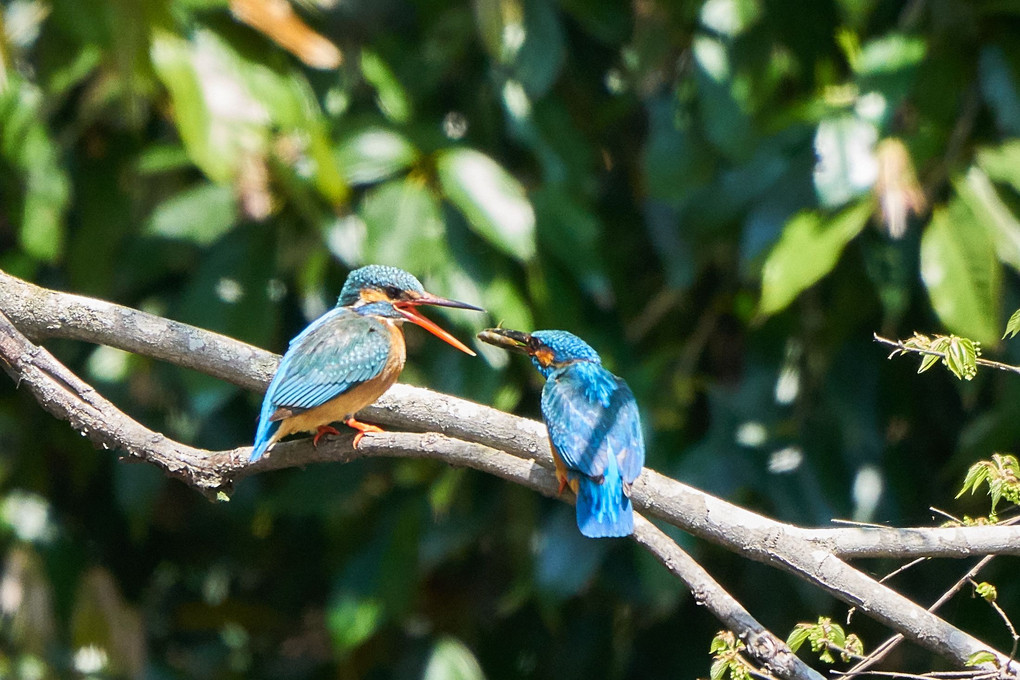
393,99
799,635
1002,162
893,52
209,132
961,357
1013,326
351,620
847,166
525,37
729,17
981,197
452,660
373,154
228,107
42,190
978,658
200,214
986,591
493,202
808,250
960,269
404,225
723,103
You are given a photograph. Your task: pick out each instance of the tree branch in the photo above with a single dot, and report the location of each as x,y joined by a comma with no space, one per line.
797,550
66,396
901,347
41,313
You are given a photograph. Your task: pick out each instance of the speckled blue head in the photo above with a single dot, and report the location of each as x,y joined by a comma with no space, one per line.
563,348
392,282
549,350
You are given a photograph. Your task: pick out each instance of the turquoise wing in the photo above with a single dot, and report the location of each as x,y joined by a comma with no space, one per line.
592,415
337,351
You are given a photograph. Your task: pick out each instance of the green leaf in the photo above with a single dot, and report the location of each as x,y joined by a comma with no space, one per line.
404,225
228,106
719,642
351,620
452,660
493,202
201,214
525,38
43,186
976,474
986,591
978,658
571,233
800,634
979,194
1002,163
373,154
960,269
927,361
212,147
808,250
960,355
894,52
392,97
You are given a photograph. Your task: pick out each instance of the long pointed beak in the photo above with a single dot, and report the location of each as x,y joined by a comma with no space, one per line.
436,301
408,311
517,341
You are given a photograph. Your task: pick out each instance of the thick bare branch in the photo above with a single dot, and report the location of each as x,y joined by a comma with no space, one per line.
42,313
66,396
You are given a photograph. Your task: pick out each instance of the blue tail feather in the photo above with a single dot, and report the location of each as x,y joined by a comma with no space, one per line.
266,429
604,510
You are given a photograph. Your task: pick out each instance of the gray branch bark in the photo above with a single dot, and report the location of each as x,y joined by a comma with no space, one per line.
41,313
811,554
64,395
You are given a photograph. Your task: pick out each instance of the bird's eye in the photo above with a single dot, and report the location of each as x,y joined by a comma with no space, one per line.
393,293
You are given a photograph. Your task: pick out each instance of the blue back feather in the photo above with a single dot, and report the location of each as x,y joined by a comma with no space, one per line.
595,427
337,351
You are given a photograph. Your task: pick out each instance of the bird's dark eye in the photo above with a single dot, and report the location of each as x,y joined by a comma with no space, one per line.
393,293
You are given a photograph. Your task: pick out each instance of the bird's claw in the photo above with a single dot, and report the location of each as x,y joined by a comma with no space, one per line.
322,431
362,429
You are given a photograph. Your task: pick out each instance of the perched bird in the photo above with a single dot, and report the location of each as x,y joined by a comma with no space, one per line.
347,357
593,424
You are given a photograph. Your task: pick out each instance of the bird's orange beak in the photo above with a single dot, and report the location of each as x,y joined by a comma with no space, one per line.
408,311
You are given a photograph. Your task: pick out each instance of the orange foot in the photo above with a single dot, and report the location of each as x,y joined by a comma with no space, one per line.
563,484
362,428
322,431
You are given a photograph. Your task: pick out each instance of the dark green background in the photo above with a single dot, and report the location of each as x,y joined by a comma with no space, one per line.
631,172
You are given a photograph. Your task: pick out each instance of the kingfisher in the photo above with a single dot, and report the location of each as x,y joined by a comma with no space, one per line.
348,357
593,423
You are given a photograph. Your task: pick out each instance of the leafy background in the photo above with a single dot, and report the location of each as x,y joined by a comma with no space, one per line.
726,198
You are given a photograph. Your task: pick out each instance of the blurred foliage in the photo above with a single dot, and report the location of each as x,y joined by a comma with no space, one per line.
725,197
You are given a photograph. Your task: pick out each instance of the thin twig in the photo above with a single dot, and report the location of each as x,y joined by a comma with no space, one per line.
883,649
901,347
